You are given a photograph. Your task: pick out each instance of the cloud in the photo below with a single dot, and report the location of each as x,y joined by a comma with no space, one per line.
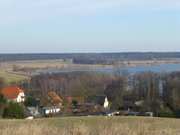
19,11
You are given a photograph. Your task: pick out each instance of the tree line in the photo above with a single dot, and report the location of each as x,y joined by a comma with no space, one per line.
91,57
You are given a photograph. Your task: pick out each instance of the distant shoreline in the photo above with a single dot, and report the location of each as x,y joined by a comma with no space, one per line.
25,69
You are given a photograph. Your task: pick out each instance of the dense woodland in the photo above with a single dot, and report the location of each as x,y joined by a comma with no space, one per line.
159,92
91,58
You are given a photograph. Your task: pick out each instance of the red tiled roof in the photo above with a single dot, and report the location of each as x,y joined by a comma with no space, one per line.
54,97
11,92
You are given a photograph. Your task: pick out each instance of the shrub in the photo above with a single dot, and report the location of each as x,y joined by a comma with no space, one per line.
2,104
13,110
31,102
177,112
166,112
74,102
2,98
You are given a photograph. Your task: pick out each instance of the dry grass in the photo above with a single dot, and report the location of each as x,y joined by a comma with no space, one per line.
53,63
91,126
39,64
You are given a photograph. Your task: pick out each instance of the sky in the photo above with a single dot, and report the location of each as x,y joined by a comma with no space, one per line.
72,26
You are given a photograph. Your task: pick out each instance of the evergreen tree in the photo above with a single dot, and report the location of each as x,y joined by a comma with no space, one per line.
14,110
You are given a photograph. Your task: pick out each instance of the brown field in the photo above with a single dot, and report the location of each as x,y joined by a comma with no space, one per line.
91,126
41,64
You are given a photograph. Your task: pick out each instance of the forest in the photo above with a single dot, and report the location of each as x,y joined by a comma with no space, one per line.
89,58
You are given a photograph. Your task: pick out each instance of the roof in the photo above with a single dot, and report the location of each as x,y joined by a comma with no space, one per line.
97,99
27,113
11,92
101,100
54,97
31,108
76,98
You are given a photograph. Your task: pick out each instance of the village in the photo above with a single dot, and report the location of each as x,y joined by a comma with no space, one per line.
71,106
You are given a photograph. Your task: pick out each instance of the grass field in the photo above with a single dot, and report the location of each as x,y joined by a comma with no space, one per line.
7,76
91,126
39,64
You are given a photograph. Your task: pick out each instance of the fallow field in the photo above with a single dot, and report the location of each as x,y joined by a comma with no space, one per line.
91,126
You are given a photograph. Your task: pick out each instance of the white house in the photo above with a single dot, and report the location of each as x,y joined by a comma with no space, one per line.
13,94
103,101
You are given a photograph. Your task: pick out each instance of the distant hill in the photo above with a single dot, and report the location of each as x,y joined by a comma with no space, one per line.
91,57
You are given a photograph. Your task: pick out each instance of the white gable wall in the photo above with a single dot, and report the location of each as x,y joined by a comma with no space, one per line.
106,103
20,98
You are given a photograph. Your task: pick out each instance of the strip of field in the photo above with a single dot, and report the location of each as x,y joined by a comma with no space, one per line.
91,126
6,68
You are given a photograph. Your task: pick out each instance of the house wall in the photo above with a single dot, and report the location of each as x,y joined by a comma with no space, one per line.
106,103
20,98
52,111
12,100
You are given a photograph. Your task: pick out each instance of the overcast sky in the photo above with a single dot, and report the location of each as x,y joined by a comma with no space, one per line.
58,26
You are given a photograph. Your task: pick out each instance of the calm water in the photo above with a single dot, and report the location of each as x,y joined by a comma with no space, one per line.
156,68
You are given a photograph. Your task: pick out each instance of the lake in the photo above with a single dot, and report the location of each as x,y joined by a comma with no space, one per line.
166,68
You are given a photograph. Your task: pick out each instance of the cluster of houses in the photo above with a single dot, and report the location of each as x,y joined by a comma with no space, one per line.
74,104
71,105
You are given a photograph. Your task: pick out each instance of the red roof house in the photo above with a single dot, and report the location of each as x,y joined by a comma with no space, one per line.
13,93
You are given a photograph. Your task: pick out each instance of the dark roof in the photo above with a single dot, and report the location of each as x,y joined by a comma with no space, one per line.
96,99
27,113
101,100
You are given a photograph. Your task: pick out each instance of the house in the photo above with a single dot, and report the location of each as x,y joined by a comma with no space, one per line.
103,101
99,100
33,111
55,99
44,111
106,103
13,94
79,100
